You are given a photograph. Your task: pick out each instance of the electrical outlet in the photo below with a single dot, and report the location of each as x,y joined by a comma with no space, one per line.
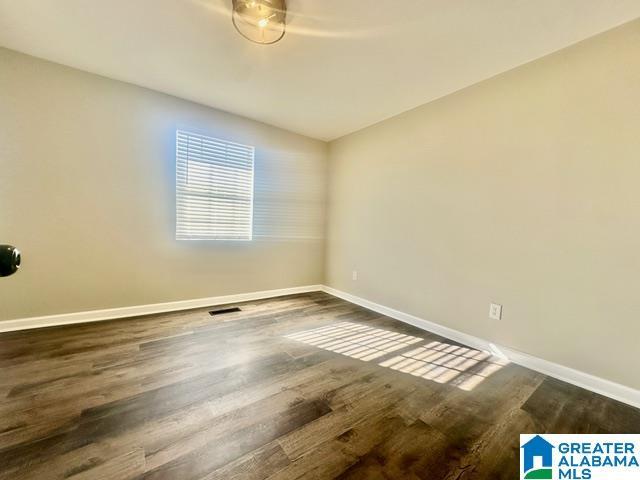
354,275
495,311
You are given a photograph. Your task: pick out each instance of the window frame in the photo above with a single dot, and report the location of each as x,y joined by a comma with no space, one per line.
182,188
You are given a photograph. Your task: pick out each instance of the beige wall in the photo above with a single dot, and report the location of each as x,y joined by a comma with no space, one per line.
523,190
87,191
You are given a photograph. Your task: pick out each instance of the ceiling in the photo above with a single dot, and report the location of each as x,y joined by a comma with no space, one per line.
343,64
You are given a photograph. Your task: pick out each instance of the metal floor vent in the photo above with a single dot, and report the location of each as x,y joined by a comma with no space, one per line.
224,310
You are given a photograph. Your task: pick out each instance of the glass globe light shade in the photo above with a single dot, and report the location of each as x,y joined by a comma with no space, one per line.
261,21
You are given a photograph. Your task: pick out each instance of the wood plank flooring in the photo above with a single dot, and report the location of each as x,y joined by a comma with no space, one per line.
304,386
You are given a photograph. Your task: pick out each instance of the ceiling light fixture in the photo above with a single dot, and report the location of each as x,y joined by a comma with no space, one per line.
261,21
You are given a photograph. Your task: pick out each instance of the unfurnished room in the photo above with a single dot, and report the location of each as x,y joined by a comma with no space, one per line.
304,239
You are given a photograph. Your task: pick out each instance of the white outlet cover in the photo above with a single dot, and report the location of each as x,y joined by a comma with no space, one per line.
495,311
354,275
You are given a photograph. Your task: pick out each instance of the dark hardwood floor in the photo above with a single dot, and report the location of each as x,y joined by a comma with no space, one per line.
306,386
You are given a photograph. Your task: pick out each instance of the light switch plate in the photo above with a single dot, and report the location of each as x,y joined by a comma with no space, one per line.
354,275
495,311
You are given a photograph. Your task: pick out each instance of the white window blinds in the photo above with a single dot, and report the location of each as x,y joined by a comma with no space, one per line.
214,188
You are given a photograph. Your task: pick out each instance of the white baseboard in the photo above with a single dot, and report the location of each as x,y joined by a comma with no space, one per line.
590,382
114,313
595,384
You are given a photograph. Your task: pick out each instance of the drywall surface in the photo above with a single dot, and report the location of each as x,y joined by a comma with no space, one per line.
87,192
522,190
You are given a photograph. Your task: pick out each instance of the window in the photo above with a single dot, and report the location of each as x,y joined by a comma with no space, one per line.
214,188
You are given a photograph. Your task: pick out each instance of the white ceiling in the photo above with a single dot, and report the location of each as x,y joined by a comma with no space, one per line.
343,65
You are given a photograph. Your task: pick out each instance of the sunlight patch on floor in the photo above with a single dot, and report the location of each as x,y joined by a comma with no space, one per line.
436,361
355,340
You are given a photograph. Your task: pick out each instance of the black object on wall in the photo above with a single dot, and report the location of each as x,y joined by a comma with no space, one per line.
9,260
